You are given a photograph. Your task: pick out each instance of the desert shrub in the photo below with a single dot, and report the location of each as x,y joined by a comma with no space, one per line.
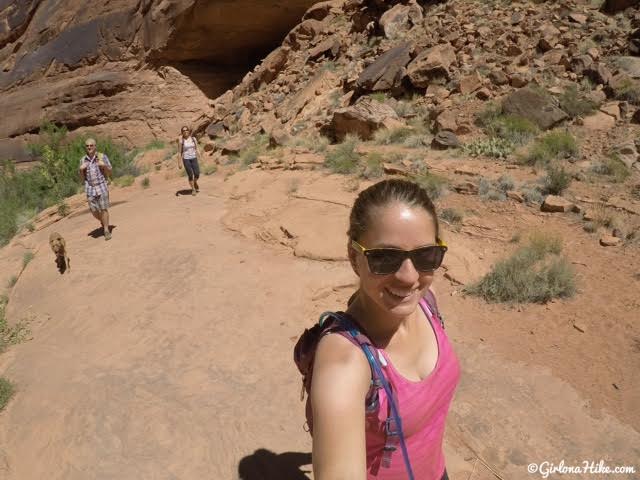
533,193
379,96
505,183
575,104
343,158
451,215
514,129
628,91
557,180
391,136
372,166
250,154
589,227
9,335
124,181
552,146
435,185
210,169
6,392
489,190
488,147
26,258
63,209
12,281
145,182
314,143
535,273
612,167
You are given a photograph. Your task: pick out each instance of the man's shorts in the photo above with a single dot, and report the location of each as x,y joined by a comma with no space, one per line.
99,203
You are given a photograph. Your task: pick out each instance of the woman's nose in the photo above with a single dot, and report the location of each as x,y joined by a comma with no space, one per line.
407,272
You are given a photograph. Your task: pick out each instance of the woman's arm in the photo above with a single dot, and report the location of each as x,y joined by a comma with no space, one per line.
179,152
341,380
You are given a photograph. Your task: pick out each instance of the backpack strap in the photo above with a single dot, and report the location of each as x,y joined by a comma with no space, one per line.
393,424
430,298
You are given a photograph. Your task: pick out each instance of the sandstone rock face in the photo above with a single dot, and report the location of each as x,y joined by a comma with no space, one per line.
432,66
130,69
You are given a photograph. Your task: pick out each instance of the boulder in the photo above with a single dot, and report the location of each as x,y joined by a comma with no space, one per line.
387,70
610,241
215,130
598,121
432,66
598,73
534,106
554,203
321,10
445,139
466,188
627,153
303,32
498,77
447,120
400,18
329,47
470,83
363,118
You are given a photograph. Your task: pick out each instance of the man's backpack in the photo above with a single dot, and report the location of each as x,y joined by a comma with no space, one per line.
343,324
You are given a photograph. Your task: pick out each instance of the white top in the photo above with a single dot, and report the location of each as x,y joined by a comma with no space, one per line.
189,148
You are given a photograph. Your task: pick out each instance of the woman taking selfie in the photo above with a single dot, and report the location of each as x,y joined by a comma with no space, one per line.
384,372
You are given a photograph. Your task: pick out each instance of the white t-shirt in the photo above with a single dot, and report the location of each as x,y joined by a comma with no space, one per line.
189,148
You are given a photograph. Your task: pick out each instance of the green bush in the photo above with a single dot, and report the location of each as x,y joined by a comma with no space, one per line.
372,166
210,169
343,158
391,136
613,167
6,392
628,91
552,146
145,182
514,129
557,180
434,184
26,259
124,181
451,215
575,104
534,273
250,154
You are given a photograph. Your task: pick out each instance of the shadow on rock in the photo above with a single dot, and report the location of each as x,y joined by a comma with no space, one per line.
266,465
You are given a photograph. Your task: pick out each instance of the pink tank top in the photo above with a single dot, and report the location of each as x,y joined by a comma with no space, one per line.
423,408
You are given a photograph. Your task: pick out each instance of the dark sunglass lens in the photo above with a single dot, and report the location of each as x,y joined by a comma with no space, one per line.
384,262
428,258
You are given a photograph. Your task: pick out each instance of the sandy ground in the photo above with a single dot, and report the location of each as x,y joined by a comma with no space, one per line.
166,352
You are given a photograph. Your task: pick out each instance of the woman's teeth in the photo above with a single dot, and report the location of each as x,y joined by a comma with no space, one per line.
400,294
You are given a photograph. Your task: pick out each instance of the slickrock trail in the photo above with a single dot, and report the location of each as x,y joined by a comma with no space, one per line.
166,352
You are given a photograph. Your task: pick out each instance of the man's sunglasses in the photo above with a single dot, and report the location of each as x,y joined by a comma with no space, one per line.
384,261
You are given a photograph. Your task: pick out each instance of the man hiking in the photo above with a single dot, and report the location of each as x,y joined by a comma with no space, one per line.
95,168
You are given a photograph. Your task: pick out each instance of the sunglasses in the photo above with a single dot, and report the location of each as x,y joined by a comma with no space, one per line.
89,145
384,261
185,130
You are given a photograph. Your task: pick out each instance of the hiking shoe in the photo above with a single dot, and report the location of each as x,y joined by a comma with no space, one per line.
107,236
193,192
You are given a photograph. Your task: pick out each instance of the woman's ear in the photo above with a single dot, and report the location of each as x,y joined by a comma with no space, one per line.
352,258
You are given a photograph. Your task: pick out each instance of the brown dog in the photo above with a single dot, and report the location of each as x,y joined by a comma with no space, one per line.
59,247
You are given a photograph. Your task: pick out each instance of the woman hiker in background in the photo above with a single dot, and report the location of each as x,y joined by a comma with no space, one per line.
390,344
188,153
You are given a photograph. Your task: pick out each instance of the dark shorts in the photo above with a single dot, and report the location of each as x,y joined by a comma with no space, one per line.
192,168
